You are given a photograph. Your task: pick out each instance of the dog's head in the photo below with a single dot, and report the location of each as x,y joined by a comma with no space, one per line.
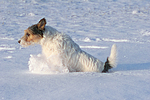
33,34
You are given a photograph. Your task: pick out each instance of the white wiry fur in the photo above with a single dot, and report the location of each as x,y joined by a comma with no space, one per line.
113,56
72,57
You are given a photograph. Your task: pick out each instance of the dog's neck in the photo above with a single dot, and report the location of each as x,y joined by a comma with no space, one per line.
47,42
48,33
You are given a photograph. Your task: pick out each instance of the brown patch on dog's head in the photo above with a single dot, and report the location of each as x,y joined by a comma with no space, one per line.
38,28
33,34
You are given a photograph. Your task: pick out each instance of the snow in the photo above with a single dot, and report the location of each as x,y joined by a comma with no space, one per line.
51,66
93,24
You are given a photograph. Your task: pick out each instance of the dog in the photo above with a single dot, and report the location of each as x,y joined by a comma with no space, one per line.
70,54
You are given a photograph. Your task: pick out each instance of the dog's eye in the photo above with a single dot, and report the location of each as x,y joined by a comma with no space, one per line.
27,34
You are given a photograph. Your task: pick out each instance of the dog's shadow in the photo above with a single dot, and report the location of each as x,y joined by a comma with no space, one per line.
129,67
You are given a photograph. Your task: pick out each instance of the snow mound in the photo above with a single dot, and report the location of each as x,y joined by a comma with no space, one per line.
87,39
40,65
145,33
94,47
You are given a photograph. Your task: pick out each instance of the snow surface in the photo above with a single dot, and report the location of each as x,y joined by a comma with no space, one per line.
95,25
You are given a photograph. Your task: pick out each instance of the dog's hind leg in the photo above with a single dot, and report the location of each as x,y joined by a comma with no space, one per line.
107,66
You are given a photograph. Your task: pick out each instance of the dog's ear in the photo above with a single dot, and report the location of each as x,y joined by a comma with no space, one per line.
41,24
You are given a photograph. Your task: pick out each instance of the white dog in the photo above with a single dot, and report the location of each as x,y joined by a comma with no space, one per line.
65,49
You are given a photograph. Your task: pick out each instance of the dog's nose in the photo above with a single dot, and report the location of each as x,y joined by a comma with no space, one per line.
19,41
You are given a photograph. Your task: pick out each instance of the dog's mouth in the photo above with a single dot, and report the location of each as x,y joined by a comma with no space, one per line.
24,43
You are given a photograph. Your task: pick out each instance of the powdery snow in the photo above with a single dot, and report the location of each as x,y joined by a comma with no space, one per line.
40,65
93,24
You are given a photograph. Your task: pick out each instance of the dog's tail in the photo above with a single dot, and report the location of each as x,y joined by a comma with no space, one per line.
111,60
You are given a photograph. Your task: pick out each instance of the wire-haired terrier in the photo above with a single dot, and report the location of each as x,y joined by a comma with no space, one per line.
69,53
